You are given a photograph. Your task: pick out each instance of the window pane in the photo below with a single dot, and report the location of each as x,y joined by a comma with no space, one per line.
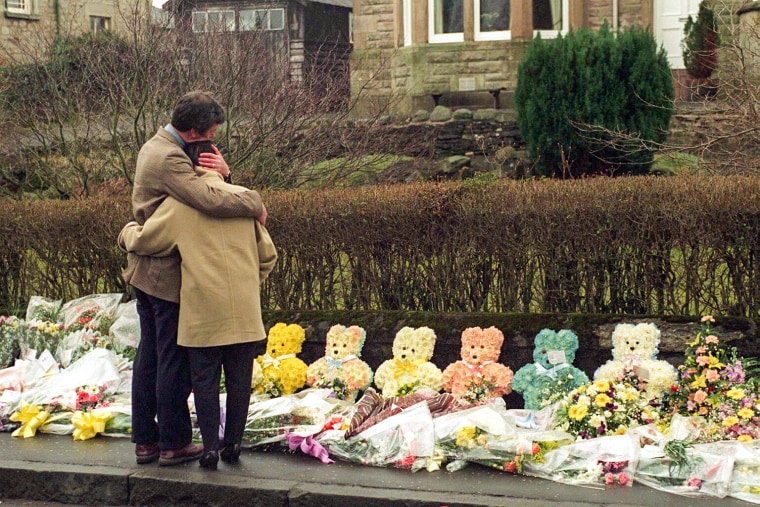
448,16
262,19
247,20
99,24
18,6
547,14
494,15
222,21
199,21
277,19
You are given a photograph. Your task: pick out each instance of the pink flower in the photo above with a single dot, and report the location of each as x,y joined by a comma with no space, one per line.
609,478
707,318
712,375
694,482
623,478
700,396
711,339
703,360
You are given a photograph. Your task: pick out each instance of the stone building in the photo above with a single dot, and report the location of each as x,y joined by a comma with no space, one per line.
419,53
26,26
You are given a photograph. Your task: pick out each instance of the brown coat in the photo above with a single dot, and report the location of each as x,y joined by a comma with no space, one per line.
163,169
222,268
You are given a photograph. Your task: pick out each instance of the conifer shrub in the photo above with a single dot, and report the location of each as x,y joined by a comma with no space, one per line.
592,103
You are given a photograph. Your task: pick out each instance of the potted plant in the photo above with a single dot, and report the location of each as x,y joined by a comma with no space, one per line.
700,49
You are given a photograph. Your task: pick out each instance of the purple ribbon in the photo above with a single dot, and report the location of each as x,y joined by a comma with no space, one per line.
308,446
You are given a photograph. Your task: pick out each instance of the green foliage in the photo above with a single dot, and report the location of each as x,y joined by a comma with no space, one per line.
700,43
594,103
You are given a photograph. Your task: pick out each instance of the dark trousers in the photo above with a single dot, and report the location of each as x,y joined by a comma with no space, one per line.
206,364
160,377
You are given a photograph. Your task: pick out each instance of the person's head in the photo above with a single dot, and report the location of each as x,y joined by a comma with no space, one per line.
194,149
197,114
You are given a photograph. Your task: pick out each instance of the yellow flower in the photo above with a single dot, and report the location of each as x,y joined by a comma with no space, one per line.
699,382
746,413
744,438
730,421
602,400
602,385
465,436
621,430
581,389
715,363
577,412
735,394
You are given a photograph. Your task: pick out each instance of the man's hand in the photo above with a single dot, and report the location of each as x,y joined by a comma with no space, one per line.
214,162
263,218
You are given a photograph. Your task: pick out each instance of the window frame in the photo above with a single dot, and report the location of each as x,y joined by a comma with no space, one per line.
493,34
441,37
22,7
229,21
268,16
553,34
105,24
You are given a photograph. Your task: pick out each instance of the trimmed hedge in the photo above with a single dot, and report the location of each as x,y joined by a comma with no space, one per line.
638,245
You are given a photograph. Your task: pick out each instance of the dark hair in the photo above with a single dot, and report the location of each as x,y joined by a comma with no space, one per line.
197,110
195,149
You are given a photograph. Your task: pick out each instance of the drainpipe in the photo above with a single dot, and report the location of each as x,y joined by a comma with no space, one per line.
615,16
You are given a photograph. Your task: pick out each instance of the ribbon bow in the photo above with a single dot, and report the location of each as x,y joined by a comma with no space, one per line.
632,360
402,367
268,360
88,424
333,363
476,368
31,417
551,372
308,446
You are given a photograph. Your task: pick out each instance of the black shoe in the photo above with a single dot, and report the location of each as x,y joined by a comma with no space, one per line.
230,453
209,460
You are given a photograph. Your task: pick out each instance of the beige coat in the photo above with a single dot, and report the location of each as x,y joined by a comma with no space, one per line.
164,169
222,268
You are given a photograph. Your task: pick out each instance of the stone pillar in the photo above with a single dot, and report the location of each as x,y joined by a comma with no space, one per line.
419,22
468,13
522,19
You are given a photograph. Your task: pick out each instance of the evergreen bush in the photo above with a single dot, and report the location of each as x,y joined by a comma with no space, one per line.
594,103
700,43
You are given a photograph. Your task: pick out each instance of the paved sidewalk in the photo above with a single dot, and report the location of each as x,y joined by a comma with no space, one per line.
102,471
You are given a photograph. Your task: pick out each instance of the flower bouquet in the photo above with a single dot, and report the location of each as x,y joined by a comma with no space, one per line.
599,462
715,384
11,332
40,335
603,408
483,434
745,479
93,312
684,468
398,440
302,413
41,308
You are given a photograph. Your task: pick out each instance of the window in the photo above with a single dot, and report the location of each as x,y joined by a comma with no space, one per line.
550,17
18,6
99,24
492,19
446,20
262,19
213,21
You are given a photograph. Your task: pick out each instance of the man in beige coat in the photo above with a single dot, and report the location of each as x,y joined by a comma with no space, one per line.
223,264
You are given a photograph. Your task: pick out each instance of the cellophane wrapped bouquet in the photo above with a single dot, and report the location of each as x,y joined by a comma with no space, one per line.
302,413
485,434
600,462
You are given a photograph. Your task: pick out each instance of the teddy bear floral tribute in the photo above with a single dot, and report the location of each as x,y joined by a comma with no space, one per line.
341,369
478,376
551,376
282,370
634,352
411,368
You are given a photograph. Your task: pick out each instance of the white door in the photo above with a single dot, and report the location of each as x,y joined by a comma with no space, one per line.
669,19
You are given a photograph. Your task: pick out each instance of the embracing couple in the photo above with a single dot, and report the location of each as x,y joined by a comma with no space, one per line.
197,251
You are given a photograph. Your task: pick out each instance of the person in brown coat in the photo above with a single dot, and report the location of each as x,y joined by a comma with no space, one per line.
224,262
161,385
